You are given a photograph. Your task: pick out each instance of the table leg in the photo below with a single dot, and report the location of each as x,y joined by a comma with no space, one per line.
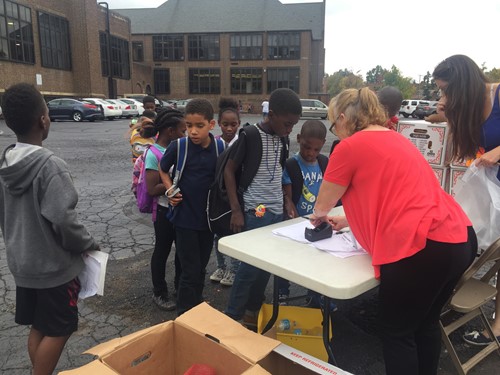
276,305
326,330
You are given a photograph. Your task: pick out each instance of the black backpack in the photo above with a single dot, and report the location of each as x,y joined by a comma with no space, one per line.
293,169
218,207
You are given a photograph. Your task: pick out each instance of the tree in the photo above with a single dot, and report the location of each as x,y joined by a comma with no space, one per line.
493,75
379,77
375,77
428,87
341,80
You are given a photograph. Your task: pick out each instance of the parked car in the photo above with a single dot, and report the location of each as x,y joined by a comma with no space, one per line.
181,104
314,108
137,103
111,111
128,110
408,107
72,109
139,97
425,109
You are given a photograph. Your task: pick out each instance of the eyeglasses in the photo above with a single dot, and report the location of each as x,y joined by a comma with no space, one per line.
332,127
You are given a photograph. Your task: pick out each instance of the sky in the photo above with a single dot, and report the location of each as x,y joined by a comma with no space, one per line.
413,36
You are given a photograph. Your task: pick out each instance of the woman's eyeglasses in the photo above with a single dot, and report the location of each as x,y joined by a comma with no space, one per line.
332,127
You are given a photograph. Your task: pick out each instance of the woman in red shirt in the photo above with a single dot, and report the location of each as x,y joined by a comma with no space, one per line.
419,238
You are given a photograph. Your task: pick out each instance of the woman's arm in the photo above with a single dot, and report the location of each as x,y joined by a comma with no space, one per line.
154,184
489,158
329,195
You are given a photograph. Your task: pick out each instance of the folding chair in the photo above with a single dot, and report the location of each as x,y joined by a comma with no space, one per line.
468,298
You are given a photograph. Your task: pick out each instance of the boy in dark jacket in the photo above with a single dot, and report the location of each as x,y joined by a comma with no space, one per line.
43,239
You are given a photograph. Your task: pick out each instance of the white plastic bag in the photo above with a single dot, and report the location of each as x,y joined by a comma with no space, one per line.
478,192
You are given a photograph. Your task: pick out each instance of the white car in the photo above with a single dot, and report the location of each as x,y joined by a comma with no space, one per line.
128,110
111,111
137,103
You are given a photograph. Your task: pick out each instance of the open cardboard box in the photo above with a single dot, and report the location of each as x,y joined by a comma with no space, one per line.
202,335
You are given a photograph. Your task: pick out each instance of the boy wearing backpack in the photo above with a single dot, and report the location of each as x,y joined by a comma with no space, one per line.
302,178
188,196
262,201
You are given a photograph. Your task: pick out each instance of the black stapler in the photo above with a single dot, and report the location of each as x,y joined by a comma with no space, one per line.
322,231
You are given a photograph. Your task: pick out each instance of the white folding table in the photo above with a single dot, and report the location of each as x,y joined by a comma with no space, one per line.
319,271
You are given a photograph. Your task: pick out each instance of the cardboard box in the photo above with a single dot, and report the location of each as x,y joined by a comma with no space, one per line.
440,173
308,339
455,175
430,139
202,335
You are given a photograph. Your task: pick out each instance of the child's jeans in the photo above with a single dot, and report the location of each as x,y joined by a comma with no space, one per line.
224,261
250,282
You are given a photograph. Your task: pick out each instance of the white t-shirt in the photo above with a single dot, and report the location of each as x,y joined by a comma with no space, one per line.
265,106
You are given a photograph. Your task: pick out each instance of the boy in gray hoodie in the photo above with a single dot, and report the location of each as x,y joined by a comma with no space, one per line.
43,237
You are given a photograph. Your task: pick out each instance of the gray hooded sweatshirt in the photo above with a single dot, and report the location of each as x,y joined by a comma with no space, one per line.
43,237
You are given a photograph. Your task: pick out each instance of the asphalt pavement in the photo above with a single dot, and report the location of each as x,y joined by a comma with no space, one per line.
98,154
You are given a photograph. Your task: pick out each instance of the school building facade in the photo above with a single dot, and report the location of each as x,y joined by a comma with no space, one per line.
181,49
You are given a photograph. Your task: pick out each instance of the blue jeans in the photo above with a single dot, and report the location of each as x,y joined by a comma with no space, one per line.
224,261
250,282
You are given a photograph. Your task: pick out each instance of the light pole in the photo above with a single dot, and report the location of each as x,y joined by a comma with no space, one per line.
111,89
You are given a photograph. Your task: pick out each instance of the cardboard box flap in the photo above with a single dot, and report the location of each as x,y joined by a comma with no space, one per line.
256,370
216,325
108,346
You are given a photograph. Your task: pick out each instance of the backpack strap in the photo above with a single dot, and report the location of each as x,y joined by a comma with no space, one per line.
323,162
293,169
253,148
182,149
220,146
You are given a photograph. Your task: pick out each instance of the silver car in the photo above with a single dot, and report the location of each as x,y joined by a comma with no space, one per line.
314,108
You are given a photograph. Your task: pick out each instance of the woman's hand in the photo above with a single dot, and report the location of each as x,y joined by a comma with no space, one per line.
338,222
317,220
489,159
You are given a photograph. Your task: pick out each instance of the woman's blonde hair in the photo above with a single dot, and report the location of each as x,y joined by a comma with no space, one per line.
360,107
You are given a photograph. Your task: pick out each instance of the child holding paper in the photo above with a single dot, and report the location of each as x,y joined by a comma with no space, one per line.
43,238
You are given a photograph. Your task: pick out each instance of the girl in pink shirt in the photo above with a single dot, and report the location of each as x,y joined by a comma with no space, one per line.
419,238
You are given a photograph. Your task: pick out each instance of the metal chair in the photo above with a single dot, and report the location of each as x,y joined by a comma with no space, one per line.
468,298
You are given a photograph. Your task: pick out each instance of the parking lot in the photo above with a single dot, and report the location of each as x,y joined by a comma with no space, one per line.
98,154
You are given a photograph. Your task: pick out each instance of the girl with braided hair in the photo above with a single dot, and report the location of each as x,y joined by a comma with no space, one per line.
168,126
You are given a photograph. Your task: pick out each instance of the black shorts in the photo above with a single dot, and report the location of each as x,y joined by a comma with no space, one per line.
52,311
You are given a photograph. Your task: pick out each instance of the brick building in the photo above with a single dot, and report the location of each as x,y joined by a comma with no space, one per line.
61,46
242,48
183,48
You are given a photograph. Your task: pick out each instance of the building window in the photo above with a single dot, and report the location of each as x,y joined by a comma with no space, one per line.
246,81
204,81
54,41
168,47
120,57
16,32
137,51
283,46
283,77
203,47
162,81
246,47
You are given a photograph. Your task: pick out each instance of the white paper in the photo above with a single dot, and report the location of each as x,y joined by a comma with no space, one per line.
93,275
342,245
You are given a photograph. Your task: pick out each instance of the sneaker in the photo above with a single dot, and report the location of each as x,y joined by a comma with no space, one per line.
250,319
477,338
163,303
228,278
218,275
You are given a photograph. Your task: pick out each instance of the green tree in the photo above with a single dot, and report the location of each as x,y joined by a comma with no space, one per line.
341,80
428,87
379,77
493,75
375,77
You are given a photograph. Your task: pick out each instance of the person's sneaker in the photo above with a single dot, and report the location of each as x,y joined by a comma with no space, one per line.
477,338
163,303
250,320
228,278
218,275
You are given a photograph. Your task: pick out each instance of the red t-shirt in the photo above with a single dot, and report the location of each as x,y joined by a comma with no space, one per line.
393,201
